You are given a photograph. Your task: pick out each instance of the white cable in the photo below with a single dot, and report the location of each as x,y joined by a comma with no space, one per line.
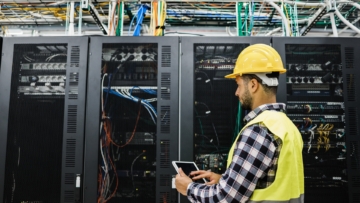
102,93
346,27
346,21
227,29
273,31
311,137
127,93
102,154
101,125
147,107
27,58
48,59
284,19
333,25
152,117
304,3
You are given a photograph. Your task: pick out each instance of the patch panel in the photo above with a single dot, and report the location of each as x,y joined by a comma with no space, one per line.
314,80
43,66
43,78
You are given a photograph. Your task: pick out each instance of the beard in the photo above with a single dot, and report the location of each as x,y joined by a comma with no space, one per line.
246,100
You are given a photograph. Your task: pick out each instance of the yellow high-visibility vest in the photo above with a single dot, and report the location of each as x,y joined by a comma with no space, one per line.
288,185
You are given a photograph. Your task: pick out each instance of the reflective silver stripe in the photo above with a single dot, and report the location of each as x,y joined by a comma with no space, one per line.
295,200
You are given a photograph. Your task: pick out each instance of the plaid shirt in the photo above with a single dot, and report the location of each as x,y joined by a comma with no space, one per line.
253,165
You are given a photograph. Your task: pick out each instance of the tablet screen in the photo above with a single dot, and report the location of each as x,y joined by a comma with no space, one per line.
187,168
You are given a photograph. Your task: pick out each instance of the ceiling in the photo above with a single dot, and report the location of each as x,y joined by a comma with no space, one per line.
187,17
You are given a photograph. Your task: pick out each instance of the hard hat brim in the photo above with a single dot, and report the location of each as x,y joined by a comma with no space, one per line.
232,75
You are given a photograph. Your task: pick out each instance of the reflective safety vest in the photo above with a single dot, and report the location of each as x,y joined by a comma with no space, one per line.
288,185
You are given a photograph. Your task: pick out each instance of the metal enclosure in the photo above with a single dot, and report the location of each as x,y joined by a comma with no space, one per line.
208,104
322,88
129,68
43,86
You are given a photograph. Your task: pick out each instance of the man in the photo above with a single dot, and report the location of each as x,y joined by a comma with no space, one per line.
265,162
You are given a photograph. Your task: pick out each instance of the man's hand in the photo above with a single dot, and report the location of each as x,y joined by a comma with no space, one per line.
213,177
182,181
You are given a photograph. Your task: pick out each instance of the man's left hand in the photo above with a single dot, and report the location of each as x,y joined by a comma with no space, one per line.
182,181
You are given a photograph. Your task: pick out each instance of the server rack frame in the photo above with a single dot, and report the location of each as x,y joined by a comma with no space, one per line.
350,48
168,62
187,88
72,147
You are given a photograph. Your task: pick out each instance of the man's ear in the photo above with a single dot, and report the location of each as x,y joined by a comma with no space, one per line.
253,85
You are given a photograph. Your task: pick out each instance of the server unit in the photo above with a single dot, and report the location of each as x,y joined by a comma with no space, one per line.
211,116
132,119
43,86
321,96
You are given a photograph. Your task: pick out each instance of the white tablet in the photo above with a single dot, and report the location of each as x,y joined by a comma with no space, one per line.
187,167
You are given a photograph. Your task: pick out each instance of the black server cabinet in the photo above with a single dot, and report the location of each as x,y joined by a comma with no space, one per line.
322,97
43,86
131,119
210,117
1,40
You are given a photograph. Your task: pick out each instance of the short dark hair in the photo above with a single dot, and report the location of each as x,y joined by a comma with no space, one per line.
267,89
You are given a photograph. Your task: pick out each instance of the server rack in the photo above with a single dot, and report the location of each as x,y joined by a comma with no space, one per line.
321,100
132,86
209,110
42,85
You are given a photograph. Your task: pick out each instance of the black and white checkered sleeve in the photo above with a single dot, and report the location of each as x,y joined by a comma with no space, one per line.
253,155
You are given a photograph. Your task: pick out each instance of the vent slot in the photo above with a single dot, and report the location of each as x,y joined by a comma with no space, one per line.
75,56
355,155
350,81
353,120
70,153
164,197
69,179
164,154
165,119
165,86
166,56
72,119
74,85
69,196
349,57
165,180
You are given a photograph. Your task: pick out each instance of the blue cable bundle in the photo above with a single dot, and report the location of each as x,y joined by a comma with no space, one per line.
140,17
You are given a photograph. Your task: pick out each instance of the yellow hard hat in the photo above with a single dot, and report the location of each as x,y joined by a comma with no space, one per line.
257,58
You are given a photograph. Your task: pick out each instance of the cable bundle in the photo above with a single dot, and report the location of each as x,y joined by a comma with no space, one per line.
116,19
107,169
324,132
140,17
158,16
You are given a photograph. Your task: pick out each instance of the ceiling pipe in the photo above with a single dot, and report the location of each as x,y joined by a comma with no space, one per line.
285,20
80,18
72,14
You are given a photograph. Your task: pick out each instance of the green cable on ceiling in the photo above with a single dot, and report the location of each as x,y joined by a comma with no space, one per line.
245,21
251,24
120,9
239,6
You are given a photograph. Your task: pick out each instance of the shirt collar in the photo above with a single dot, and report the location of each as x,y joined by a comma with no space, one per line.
273,106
